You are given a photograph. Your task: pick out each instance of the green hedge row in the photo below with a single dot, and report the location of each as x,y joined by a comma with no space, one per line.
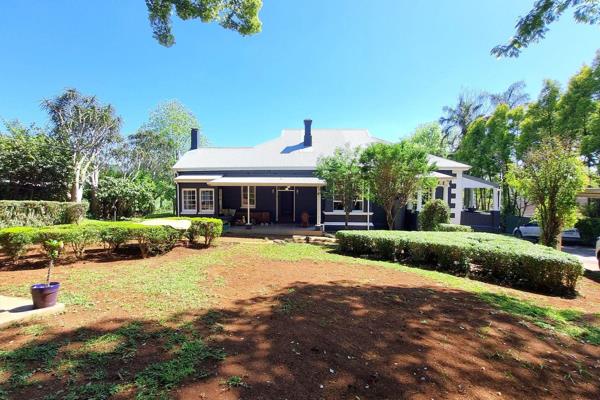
503,258
589,229
40,213
453,228
151,239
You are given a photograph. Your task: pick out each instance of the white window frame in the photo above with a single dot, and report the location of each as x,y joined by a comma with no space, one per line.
360,200
207,211
252,189
183,199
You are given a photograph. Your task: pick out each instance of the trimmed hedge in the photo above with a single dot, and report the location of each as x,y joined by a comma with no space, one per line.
151,239
208,228
589,229
500,257
40,213
453,228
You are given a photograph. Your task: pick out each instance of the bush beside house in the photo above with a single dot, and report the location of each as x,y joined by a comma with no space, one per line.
434,213
40,213
501,258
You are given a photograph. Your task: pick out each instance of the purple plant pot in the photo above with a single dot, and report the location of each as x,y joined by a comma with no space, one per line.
44,296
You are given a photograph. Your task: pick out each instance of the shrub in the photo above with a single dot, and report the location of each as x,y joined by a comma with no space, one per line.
503,258
209,228
114,234
453,228
434,213
40,213
589,229
154,239
14,241
78,237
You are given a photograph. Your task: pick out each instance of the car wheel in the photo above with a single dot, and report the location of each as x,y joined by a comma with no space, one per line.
518,234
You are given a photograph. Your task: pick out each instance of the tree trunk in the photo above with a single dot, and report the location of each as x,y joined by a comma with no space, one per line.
95,178
389,217
346,218
51,264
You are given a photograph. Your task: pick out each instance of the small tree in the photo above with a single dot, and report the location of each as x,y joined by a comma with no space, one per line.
53,249
394,172
550,177
342,174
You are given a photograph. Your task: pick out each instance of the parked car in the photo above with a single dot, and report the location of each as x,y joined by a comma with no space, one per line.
531,231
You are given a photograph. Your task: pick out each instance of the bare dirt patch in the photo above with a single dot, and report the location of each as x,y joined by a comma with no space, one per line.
307,329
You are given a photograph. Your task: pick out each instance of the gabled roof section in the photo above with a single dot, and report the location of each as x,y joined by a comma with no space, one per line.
286,152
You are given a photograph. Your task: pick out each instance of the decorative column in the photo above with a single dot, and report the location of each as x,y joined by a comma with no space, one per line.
248,224
458,199
496,200
318,225
419,200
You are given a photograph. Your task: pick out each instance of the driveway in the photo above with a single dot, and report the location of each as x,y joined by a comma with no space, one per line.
585,254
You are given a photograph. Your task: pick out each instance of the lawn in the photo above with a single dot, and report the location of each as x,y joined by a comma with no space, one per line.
296,321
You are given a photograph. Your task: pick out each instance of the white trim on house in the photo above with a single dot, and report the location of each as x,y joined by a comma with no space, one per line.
200,209
267,181
185,210
196,178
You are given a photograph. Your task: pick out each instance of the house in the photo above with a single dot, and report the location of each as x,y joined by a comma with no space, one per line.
274,183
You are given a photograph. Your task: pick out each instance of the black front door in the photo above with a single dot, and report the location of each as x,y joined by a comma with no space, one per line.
286,206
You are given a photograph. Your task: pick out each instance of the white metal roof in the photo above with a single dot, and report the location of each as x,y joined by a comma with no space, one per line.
197,178
473,182
439,175
267,181
286,152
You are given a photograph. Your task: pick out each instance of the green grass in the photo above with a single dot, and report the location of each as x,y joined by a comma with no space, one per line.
564,321
80,366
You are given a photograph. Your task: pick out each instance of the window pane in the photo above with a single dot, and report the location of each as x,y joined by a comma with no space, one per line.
245,196
189,200
207,200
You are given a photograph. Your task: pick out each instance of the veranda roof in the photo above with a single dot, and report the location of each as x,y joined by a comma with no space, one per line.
267,181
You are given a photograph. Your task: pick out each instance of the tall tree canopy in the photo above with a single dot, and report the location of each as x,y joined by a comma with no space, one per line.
157,145
237,15
456,120
33,164
343,176
551,179
394,172
533,27
84,126
431,138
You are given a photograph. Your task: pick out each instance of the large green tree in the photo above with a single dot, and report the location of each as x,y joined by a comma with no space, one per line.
85,127
237,15
343,177
533,27
394,172
456,119
431,138
551,179
33,164
157,145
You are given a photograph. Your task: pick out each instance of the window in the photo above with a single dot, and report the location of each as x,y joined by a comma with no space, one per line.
207,201
339,206
189,201
251,196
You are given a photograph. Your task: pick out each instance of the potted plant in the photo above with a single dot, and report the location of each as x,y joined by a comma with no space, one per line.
45,294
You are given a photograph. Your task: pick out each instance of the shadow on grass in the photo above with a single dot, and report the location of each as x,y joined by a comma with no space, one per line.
333,340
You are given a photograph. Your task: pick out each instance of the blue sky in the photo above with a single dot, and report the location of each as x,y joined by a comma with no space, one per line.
385,65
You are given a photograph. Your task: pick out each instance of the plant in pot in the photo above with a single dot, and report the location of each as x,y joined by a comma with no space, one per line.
45,294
